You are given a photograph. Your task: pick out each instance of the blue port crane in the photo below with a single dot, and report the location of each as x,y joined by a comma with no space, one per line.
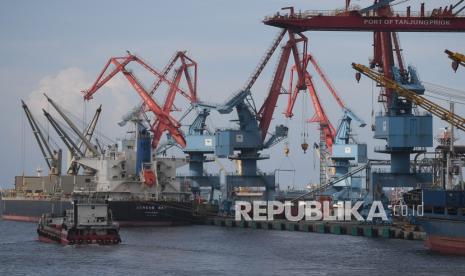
405,131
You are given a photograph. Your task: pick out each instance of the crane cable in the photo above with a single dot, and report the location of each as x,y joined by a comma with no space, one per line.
372,105
78,120
304,124
23,144
286,141
445,91
398,3
84,113
287,159
449,100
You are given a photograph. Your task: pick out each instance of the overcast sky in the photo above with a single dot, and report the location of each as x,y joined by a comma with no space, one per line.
59,48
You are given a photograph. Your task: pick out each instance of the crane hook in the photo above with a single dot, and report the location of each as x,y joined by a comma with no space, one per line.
358,76
304,146
455,65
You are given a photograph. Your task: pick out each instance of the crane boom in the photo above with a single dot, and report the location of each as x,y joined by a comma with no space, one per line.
43,144
164,117
191,82
320,114
331,88
171,123
244,94
72,147
328,84
89,132
73,127
250,82
120,63
426,104
265,114
159,126
91,128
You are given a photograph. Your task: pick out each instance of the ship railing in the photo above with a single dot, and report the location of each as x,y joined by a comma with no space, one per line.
342,12
427,15
186,175
259,174
380,170
302,15
33,197
412,170
89,200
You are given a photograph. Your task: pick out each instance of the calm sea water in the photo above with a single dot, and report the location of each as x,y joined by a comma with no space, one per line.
210,250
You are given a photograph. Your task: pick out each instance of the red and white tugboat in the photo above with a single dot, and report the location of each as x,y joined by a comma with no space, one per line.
86,223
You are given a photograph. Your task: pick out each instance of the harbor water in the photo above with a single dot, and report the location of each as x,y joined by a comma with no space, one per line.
211,250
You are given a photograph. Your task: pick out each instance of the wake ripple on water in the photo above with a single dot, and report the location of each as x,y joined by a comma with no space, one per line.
210,250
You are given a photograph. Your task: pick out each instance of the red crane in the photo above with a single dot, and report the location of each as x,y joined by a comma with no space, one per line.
320,116
186,64
380,19
265,114
158,126
164,121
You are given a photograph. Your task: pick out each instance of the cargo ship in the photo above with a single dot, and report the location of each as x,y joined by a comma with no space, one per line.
86,223
141,188
443,218
131,201
127,213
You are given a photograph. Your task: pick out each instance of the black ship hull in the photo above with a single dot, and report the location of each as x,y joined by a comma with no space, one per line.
126,213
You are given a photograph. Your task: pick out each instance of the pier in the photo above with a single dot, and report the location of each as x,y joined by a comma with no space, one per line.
325,227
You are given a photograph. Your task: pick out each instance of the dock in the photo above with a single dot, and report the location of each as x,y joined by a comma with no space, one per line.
325,227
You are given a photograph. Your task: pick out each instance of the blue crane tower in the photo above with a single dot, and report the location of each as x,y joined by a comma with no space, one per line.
244,143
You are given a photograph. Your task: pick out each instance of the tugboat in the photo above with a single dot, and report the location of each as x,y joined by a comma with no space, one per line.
86,223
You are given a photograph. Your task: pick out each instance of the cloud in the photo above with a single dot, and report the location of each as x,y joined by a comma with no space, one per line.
65,89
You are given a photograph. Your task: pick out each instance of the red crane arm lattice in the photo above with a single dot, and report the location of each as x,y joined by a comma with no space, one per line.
186,63
172,125
320,114
159,126
121,62
326,80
